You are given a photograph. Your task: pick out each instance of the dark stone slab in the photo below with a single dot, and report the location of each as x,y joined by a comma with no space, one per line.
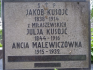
1,54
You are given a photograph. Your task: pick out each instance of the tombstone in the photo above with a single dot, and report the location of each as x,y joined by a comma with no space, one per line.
46,34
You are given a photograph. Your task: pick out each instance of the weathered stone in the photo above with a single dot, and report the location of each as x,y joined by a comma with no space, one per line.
46,35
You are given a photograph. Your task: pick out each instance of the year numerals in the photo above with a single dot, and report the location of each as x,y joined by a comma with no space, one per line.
54,51
39,18
39,51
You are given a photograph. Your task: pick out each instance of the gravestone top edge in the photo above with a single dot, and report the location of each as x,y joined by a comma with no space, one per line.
45,0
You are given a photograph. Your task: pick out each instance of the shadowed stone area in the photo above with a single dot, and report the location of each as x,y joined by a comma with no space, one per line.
1,54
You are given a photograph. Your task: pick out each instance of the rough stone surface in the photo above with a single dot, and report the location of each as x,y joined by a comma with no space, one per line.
17,23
